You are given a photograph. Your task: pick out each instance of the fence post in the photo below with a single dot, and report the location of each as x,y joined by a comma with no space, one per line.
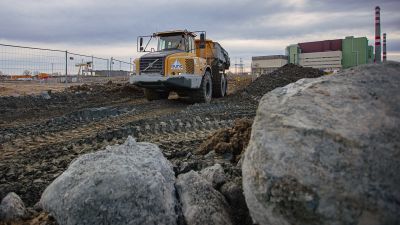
130,65
91,71
66,67
108,68
111,66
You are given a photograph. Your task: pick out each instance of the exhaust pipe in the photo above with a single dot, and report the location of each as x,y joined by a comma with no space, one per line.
377,35
384,47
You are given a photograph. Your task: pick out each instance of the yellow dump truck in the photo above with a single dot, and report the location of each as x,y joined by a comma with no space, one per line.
191,67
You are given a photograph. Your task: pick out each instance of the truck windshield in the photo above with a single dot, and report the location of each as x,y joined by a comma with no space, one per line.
171,42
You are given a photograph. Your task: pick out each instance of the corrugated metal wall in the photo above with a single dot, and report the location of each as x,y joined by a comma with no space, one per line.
327,61
321,46
293,51
355,51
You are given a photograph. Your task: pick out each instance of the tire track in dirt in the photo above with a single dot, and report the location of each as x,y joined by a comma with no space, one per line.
32,159
33,154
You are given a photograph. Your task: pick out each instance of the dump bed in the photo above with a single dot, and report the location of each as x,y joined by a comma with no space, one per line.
215,54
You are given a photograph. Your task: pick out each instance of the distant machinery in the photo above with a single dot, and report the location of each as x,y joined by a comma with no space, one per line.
84,68
239,67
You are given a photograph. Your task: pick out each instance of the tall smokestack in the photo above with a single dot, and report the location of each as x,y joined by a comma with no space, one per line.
377,35
384,47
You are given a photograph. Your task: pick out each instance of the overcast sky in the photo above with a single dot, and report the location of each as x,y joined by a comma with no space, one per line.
244,28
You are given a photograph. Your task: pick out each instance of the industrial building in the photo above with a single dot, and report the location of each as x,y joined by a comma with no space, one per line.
331,55
327,55
267,64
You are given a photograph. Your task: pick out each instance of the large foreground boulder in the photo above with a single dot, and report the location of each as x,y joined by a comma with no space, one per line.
327,150
125,184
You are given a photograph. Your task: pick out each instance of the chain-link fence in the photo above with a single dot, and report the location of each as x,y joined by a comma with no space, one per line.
30,63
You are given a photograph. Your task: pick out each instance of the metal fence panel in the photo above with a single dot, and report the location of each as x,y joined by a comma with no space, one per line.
17,61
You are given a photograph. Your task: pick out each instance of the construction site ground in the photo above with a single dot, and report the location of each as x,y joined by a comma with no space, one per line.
40,136
22,88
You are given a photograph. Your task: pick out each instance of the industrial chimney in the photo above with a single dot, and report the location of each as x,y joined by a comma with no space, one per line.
384,47
377,35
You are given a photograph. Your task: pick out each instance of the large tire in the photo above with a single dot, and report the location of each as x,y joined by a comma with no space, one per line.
219,85
204,93
226,85
151,94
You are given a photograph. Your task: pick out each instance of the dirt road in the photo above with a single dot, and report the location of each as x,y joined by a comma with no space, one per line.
40,136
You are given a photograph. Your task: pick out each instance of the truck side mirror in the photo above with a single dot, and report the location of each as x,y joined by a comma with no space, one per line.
141,43
202,41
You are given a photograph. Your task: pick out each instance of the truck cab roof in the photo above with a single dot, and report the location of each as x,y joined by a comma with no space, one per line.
174,32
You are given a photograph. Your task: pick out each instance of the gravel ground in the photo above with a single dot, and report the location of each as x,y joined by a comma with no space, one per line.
39,137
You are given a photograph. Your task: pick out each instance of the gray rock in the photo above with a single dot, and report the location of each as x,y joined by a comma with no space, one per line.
45,95
12,208
201,203
38,207
125,184
233,193
327,150
214,174
186,167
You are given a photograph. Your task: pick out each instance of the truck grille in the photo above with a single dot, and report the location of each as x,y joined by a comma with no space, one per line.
153,65
189,66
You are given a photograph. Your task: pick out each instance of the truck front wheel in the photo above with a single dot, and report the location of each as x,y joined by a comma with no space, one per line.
151,94
204,93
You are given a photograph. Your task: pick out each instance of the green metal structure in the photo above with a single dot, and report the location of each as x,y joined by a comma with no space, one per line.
355,51
293,52
371,55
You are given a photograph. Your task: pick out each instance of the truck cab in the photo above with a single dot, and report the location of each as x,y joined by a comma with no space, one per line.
179,64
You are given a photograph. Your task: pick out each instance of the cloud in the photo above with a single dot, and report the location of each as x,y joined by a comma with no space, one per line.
244,27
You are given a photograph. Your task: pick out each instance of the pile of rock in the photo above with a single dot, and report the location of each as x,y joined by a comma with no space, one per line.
108,88
279,78
132,183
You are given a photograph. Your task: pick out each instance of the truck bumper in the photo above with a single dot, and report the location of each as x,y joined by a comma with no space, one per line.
156,81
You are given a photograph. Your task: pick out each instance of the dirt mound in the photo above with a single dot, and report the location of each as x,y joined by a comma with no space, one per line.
281,77
232,140
28,108
109,87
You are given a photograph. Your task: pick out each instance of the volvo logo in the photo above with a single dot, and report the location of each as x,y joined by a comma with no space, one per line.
151,65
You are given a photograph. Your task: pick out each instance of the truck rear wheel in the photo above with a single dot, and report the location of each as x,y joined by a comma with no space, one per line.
151,94
204,93
219,85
